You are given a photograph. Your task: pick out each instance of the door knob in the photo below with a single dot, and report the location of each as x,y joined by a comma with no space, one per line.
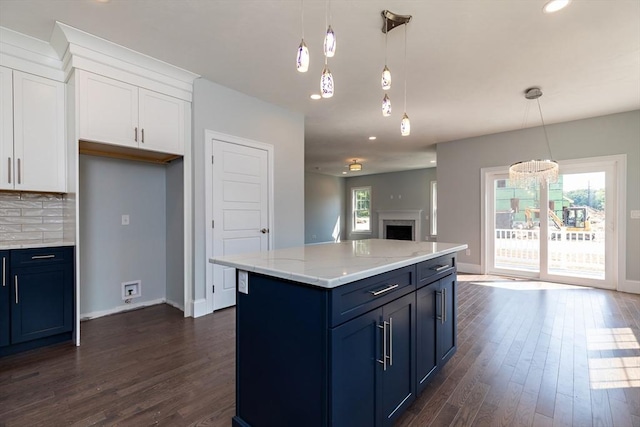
264,230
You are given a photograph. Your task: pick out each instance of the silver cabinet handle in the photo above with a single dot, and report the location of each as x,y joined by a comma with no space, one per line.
9,168
444,305
135,134
439,317
43,256
143,136
383,290
19,173
440,267
390,341
384,345
4,271
16,287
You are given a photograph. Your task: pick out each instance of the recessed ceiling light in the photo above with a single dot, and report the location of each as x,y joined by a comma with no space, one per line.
372,138
432,161
555,5
344,172
315,96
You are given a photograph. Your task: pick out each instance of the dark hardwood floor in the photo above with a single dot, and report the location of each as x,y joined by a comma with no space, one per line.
529,354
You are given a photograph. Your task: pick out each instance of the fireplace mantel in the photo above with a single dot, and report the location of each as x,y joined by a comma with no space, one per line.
414,215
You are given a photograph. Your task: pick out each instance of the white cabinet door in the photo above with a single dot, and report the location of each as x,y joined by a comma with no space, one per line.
162,121
108,110
6,129
39,134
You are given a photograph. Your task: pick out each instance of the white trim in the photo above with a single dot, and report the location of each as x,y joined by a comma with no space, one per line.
209,137
414,215
630,286
469,268
30,55
200,307
121,309
174,304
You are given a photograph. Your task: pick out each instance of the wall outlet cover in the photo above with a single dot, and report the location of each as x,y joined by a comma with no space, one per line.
131,289
243,282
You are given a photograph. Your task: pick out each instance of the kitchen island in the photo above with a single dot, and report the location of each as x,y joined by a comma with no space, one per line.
341,334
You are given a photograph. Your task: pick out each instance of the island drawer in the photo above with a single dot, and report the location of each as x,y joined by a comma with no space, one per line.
433,269
354,299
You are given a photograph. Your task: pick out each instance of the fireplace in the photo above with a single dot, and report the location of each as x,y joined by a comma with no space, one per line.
399,225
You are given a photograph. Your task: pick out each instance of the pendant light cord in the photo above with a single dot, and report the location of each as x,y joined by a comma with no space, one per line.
544,128
302,16
386,37
405,68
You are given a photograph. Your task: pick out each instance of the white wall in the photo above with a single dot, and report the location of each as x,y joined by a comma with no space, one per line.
324,209
175,233
459,164
224,110
112,253
407,190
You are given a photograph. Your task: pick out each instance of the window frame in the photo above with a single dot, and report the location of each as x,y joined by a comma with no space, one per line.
354,230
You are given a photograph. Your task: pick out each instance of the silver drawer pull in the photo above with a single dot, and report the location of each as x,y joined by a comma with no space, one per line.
43,256
15,282
4,271
383,290
440,267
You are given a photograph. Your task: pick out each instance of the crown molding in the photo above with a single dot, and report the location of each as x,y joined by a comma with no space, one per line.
21,52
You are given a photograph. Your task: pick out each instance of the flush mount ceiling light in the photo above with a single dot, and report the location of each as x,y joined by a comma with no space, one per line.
534,172
355,166
555,5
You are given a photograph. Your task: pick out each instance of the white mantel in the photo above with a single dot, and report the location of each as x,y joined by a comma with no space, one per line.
414,215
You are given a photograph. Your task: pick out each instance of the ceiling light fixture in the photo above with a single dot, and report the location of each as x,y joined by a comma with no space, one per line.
355,166
315,96
555,5
302,58
326,81
372,138
330,37
533,172
386,106
385,80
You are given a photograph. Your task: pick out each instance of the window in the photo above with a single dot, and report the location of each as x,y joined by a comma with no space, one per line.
434,208
361,206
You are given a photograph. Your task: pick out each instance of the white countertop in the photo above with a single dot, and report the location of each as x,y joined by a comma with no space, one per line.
32,245
333,264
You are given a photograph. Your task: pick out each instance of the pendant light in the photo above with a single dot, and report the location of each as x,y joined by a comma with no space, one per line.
330,37
326,81
386,106
302,58
405,124
534,172
385,81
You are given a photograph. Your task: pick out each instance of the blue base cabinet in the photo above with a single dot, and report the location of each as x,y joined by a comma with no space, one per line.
347,356
5,324
40,303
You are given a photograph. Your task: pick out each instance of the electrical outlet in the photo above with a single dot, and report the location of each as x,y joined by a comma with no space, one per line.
243,282
468,252
131,289
125,219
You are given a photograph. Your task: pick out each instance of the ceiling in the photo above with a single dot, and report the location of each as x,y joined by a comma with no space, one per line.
468,63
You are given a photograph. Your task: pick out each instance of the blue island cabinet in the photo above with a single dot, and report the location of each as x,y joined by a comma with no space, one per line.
344,356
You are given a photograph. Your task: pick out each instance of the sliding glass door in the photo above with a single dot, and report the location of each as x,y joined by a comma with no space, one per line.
563,232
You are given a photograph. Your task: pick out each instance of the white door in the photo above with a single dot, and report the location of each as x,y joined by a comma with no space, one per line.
240,187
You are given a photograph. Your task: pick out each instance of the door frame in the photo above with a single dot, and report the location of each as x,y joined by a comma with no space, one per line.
619,164
209,137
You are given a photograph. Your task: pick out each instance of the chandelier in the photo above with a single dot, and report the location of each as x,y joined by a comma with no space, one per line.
534,172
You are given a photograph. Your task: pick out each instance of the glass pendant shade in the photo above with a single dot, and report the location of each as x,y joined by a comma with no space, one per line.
386,78
329,43
326,83
533,172
386,106
405,125
302,59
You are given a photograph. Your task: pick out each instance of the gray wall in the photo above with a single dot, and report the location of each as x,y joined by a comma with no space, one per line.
110,252
459,164
224,110
175,233
393,191
324,208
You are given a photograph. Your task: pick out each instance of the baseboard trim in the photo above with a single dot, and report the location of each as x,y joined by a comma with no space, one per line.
630,286
121,309
469,268
176,305
200,307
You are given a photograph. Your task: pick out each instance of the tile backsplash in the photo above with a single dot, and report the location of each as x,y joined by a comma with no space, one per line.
33,217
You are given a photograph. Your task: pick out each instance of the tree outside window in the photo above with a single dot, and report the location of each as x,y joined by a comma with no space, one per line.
361,204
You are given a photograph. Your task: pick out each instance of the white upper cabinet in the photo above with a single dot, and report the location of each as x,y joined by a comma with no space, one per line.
33,156
117,113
